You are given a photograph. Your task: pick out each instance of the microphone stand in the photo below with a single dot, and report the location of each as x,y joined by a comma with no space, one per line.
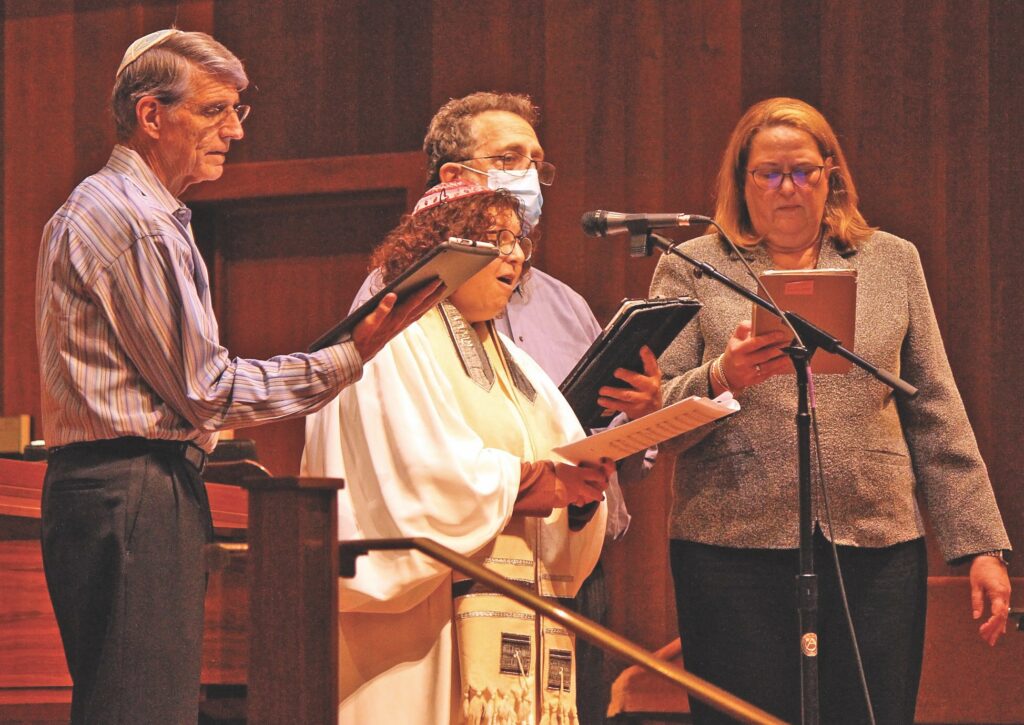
642,242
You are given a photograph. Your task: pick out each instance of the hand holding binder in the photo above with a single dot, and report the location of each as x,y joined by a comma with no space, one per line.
638,322
453,262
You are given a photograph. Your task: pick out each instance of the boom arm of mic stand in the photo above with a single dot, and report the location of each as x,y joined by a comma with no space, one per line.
812,335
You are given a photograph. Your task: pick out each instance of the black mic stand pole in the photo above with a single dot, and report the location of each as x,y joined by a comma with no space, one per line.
813,338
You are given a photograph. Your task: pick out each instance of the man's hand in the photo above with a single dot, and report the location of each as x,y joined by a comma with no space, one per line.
644,394
989,580
374,332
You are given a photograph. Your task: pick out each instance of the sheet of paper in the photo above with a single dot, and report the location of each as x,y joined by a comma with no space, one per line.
638,435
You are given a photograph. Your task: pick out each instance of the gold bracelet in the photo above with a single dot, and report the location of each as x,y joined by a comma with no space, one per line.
718,372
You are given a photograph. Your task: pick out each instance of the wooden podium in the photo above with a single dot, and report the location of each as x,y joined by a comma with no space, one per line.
293,613
282,616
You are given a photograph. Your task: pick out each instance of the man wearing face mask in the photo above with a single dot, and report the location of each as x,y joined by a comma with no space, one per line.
489,139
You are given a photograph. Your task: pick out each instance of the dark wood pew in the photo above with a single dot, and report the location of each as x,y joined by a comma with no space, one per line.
34,681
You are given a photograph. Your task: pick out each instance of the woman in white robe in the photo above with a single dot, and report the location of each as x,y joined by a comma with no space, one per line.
449,435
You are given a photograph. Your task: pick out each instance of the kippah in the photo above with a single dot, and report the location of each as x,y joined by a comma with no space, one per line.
143,44
447,191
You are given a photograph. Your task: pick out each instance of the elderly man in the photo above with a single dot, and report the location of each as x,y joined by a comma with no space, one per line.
489,139
135,386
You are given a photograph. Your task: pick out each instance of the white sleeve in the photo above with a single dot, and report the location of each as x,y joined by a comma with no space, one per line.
413,468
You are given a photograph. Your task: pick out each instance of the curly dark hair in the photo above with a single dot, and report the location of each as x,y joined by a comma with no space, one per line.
469,217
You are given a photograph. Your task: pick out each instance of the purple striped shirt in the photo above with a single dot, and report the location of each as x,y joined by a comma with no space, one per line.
128,342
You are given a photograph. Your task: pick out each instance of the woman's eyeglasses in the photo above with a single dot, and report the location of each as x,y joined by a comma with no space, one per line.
770,179
505,240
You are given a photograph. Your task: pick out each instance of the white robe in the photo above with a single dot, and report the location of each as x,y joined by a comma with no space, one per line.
427,452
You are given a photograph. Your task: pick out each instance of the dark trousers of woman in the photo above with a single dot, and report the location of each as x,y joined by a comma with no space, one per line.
592,691
740,629
123,533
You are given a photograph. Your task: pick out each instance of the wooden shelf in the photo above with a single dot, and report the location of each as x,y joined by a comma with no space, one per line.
326,175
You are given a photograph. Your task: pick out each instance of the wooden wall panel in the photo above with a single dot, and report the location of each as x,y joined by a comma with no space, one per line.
492,46
637,100
640,97
3,195
344,78
783,45
39,144
286,269
60,57
904,90
1006,190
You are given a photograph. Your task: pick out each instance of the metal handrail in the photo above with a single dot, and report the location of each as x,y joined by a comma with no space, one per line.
593,632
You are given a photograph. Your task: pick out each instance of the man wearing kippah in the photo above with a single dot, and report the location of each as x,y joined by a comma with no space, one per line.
135,386
489,139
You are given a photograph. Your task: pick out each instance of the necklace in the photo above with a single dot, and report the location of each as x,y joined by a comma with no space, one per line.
798,254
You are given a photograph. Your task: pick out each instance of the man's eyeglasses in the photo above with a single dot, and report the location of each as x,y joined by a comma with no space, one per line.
770,179
506,242
517,164
218,113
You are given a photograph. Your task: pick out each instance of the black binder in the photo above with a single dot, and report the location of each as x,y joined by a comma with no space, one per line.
638,322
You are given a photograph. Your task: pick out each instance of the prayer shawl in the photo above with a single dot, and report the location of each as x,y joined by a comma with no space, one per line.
430,443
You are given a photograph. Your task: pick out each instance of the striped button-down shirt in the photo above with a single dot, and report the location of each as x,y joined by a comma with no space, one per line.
128,342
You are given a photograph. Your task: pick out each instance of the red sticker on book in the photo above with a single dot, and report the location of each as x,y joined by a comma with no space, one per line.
803,288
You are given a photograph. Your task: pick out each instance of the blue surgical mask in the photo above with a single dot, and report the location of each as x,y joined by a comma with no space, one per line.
526,187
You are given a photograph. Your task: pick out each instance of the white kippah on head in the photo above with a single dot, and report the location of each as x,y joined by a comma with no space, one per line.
143,44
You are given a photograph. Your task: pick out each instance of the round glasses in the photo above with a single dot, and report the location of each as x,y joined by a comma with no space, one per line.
770,179
506,242
517,164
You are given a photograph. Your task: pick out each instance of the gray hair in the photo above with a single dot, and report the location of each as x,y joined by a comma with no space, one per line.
449,136
164,72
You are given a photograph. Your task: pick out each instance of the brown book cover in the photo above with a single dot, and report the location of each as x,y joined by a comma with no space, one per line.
826,297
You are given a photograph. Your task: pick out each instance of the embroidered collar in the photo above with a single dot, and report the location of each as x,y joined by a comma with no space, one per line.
473,356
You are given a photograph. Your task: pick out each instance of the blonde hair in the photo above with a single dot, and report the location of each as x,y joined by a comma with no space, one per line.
841,220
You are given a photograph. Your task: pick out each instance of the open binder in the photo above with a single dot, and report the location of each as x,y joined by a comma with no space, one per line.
638,322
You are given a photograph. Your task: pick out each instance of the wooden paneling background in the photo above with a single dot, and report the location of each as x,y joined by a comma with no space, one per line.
638,98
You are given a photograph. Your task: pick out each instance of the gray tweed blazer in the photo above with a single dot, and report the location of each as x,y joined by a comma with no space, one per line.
735,482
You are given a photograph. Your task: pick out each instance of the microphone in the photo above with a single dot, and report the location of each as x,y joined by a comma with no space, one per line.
601,223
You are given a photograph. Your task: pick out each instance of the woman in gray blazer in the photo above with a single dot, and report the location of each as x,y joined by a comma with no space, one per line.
785,195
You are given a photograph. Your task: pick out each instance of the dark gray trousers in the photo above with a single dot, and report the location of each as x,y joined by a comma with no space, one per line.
739,627
123,533
592,692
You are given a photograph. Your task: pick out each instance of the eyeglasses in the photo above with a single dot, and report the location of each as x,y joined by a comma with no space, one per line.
517,164
506,242
770,179
218,113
